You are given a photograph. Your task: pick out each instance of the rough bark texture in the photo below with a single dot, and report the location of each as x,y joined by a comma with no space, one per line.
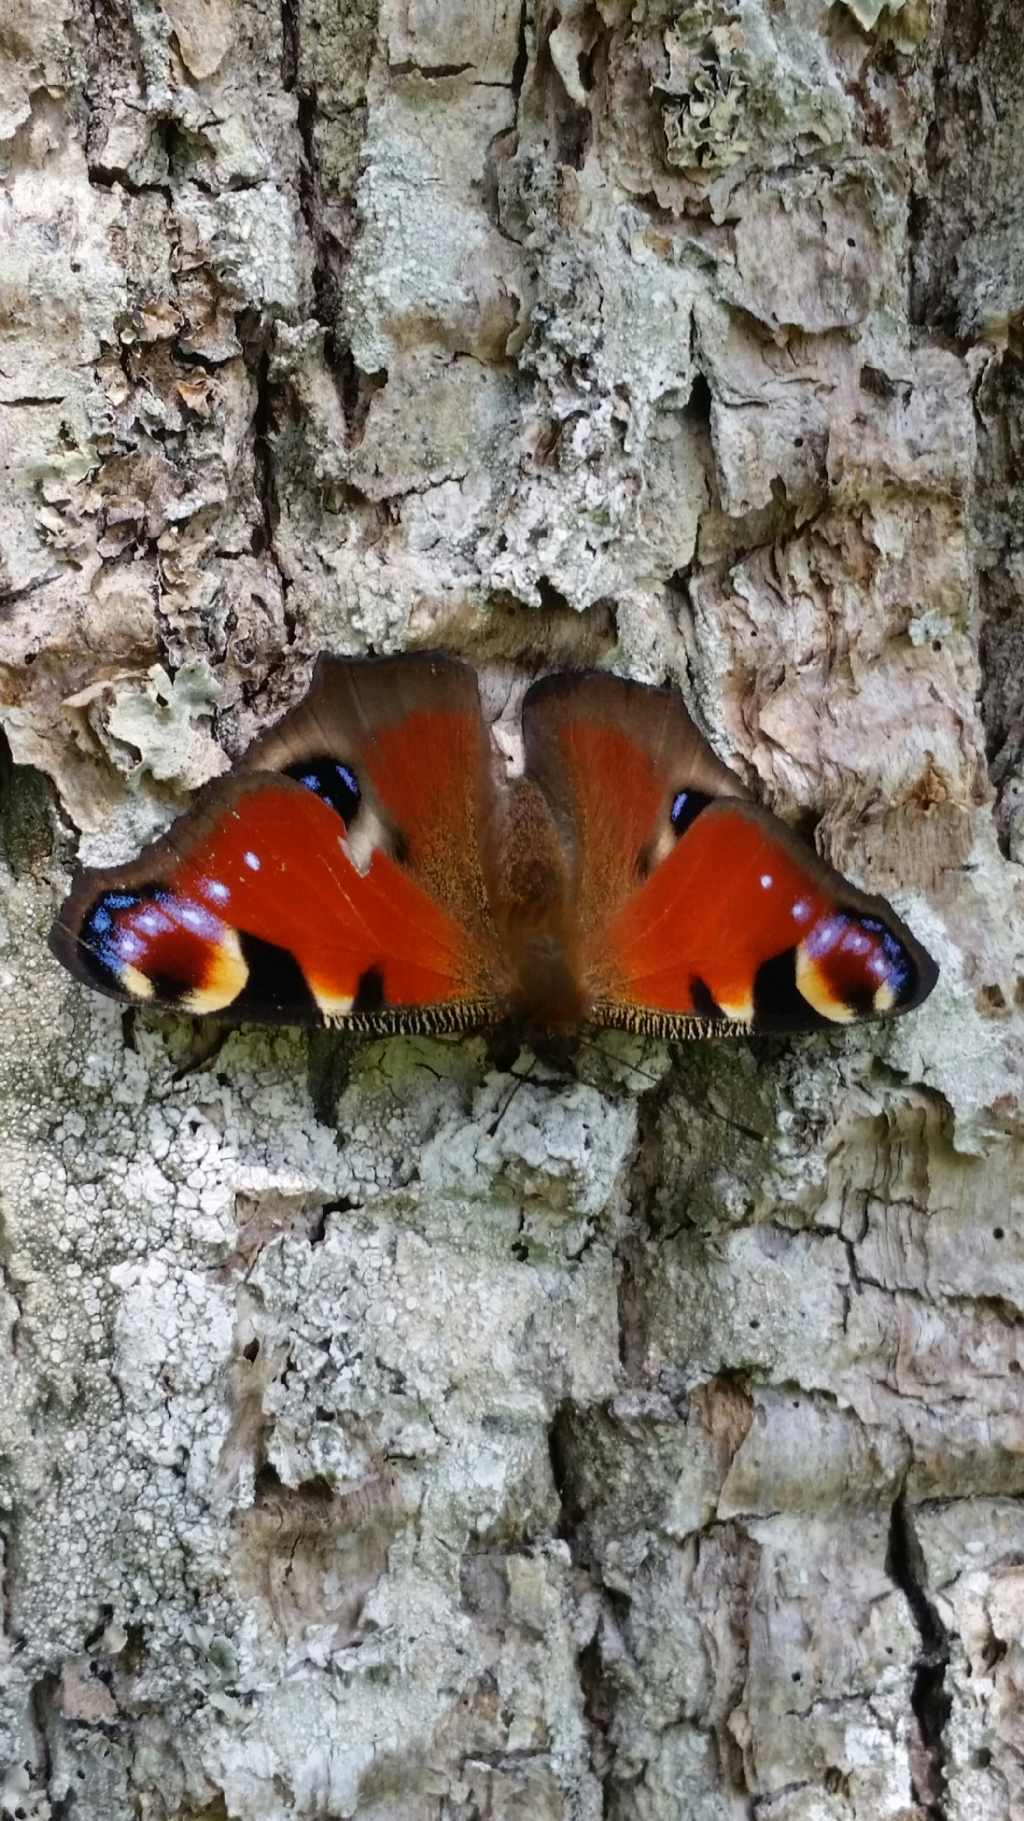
377,1441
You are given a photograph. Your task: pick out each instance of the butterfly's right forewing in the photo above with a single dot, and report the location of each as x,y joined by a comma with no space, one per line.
699,910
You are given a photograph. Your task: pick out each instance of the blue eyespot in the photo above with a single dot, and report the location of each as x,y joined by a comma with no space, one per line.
899,971
100,933
332,781
686,807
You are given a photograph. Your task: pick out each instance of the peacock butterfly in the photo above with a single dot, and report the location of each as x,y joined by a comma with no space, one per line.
369,864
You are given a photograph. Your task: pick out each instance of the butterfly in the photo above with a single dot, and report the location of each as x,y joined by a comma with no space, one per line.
371,863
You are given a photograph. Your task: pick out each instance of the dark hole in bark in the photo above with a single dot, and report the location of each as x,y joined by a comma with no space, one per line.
560,1447
698,405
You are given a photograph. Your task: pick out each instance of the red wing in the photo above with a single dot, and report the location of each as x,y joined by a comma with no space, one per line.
410,730
351,887
742,923
610,756
254,906
694,905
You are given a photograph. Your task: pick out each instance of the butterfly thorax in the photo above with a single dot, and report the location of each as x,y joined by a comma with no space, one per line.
531,895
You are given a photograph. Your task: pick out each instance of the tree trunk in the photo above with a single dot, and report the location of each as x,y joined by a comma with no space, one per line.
379,1441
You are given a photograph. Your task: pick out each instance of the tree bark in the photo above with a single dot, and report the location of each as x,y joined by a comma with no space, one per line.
383,1438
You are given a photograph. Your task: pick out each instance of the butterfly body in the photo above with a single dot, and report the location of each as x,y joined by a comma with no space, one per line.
531,893
372,863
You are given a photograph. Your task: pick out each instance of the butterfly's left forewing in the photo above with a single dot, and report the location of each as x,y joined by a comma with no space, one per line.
318,890
699,910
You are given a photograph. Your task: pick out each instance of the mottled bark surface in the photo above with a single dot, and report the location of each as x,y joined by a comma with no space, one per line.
377,1442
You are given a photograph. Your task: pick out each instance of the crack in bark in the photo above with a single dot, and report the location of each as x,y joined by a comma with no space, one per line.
434,72
997,398
263,465
521,63
1001,1308
7,595
596,1699
289,45
560,1456
930,1699
7,1541
630,1316
106,176
331,254
8,1282
42,1705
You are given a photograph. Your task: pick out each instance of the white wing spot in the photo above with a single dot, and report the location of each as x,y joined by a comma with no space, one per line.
195,918
252,860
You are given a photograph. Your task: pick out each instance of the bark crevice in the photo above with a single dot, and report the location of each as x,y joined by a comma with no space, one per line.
930,1697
